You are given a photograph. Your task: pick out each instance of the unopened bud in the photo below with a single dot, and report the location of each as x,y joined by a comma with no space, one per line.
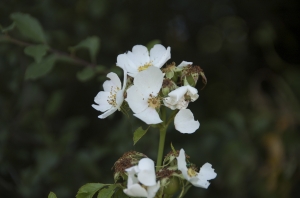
168,86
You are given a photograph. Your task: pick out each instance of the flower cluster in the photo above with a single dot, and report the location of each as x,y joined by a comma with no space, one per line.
177,174
152,87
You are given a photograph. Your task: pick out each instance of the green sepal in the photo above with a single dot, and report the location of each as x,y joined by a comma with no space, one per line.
88,190
138,134
52,195
36,51
29,26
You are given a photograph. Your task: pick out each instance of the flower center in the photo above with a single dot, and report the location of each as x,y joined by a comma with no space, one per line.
113,95
144,67
191,172
154,102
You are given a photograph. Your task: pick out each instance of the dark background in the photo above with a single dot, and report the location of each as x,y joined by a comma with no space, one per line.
52,140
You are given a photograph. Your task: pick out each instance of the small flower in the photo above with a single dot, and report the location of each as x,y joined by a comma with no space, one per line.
180,97
139,59
143,98
197,179
184,121
142,180
112,97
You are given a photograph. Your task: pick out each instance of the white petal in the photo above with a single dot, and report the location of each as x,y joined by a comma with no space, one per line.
152,190
149,116
159,55
136,100
181,163
149,81
170,102
184,63
119,98
193,93
107,113
207,172
184,121
199,183
178,93
126,64
101,99
108,85
136,190
146,173
139,55
114,79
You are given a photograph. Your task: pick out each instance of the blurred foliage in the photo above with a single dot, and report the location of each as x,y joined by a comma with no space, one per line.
52,140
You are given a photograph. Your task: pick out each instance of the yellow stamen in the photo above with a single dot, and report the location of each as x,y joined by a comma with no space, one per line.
144,67
113,95
154,102
192,172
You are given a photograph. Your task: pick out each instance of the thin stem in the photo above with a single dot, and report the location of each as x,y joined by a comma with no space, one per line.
162,137
74,59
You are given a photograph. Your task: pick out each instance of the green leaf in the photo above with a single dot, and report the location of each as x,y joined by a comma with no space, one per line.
91,43
37,70
36,51
29,27
152,43
85,74
119,193
107,192
172,147
7,29
88,190
138,134
52,195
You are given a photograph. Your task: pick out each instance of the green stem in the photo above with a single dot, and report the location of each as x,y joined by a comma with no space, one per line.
162,137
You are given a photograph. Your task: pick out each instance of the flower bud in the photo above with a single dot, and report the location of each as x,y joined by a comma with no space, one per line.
168,86
169,70
128,160
172,187
190,75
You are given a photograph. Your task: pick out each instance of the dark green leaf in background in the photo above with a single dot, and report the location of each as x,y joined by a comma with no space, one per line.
52,195
29,27
36,51
36,70
85,74
88,190
138,134
91,43
107,192
7,29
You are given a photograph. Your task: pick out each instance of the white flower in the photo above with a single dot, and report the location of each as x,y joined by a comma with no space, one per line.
180,97
143,173
142,97
139,59
184,121
112,97
197,179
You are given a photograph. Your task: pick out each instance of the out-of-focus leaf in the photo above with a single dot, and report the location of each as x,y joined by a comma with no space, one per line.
52,195
107,192
138,134
152,43
85,74
7,29
29,27
37,70
36,51
91,43
88,190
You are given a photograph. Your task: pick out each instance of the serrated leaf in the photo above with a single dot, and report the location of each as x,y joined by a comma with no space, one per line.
138,134
36,51
107,192
37,70
91,43
52,195
152,43
7,29
29,27
88,190
85,74
119,193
